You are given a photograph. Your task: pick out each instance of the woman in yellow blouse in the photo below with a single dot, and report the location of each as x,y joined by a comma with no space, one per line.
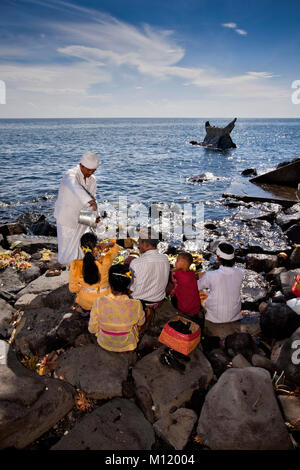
89,276
115,318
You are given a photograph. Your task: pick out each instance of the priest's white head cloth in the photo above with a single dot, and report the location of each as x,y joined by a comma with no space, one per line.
90,160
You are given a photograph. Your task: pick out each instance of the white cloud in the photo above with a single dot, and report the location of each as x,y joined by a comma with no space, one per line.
242,32
229,25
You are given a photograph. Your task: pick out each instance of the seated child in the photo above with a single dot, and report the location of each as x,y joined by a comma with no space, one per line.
185,295
89,276
115,318
223,304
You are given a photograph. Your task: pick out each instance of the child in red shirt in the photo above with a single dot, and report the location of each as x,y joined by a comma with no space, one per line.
185,295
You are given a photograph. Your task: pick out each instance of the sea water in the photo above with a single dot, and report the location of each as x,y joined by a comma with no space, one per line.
146,160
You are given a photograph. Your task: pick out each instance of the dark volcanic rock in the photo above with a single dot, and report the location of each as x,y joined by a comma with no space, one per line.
240,412
168,387
97,372
278,321
43,227
287,279
289,358
249,172
293,234
219,360
286,221
10,280
30,404
295,258
260,262
119,424
31,243
45,329
253,291
13,228
240,343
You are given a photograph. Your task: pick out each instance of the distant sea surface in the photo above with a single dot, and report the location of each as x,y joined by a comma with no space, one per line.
147,160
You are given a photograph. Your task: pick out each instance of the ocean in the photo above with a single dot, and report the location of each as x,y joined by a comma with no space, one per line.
146,160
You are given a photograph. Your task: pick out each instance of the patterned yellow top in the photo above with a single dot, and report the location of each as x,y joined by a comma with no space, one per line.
87,293
115,321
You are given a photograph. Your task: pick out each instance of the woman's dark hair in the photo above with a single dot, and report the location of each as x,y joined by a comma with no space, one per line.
228,249
118,277
90,270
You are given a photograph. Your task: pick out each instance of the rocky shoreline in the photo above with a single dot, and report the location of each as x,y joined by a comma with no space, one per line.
60,390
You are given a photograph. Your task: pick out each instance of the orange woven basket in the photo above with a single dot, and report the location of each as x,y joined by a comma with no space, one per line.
180,342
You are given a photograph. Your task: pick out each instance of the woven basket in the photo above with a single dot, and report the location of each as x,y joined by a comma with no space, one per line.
180,342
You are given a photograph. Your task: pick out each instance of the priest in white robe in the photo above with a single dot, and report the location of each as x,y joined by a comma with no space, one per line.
77,191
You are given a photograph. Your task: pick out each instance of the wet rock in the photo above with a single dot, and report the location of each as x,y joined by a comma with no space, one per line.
97,372
44,330
285,221
278,321
30,404
293,209
6,312
263,362
260,262
31,243
168,387
119,424
291,410
13,228
274,275
241,401
252,236
253,290
203,177
10,281
240,362
293,234
295,258
240,343
287,280
43,227
249,172
251,214
289,358
175,429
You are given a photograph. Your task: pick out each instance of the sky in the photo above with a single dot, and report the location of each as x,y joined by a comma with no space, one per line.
149,58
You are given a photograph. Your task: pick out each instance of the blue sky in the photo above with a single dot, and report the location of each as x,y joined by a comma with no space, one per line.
149,58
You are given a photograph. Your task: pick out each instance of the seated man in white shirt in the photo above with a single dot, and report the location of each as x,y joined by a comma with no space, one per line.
223,305
151,272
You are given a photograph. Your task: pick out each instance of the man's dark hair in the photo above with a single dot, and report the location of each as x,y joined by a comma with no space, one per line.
228,249
152,241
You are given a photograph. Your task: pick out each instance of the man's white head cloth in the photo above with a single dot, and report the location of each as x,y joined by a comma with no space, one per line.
223,255
90,160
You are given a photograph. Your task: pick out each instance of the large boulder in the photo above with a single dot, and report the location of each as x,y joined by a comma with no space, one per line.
295,257
285,221
240,412
30,404
43,330
278,321
166,387
99,373
289,359
117,425
293,233
31,243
